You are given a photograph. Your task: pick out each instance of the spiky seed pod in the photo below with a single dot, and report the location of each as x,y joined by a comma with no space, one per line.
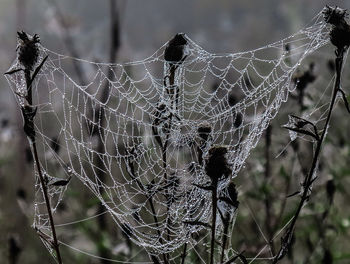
217,166
340,33
204,131
28,50
175,51
334,15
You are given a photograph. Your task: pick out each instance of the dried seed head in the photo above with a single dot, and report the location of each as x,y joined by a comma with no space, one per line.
340,33
28,50
217,166
176,51
334,15
204,131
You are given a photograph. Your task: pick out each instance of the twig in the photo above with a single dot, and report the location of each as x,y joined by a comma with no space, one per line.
267,200
213,222
28,53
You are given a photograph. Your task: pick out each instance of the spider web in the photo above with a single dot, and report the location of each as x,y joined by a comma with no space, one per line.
148,116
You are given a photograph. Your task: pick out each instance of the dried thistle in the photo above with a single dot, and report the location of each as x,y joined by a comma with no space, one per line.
340,33
28,50
334,15
217,166
176,49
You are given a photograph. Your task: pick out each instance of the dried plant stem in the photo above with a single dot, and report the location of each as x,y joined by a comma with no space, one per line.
29,80
213,222
224,238
286,240
165,147
268,198
184,254
47,202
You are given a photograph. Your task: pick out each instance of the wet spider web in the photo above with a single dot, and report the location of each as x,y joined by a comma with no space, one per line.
150,116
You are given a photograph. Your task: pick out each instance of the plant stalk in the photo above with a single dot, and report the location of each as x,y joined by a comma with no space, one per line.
29,98
267,200
213,223
309,179
47,202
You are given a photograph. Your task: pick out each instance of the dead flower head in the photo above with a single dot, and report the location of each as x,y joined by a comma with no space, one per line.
334,15
217,166
340,33
28,50
176,49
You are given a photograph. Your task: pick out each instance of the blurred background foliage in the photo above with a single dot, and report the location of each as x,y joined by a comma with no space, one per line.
322,234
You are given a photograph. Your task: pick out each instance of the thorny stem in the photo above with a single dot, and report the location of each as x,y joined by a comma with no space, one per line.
309,179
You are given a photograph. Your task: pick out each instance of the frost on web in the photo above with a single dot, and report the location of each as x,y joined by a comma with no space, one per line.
157,119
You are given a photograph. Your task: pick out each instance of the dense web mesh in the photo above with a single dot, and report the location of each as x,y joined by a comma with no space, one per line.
157,120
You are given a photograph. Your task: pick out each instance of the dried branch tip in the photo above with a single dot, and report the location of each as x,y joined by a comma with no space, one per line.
176,50
28,50
334,15
340,33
